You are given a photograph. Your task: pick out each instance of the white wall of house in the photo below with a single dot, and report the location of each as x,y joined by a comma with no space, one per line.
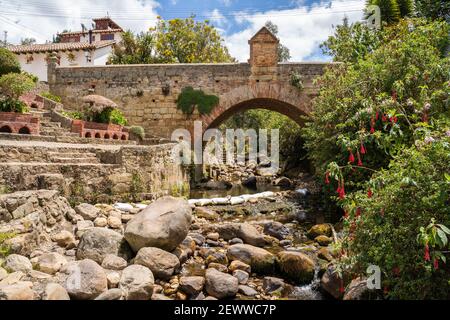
97,37
38,66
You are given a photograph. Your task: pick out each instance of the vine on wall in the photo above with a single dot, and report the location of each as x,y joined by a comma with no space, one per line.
190,98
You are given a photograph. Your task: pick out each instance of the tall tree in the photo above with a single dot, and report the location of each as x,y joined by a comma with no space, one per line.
433,9
406,8
284,54
135,49
189,41
390,10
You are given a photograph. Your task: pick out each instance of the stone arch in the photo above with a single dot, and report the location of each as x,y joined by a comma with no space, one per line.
24,130
88,135
106,136
98,135
6,129
286,100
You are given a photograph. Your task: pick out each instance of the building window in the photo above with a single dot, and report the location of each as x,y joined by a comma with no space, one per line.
107,37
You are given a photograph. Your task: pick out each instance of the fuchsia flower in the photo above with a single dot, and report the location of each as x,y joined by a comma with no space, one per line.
427,253
351,157
363,150
369,193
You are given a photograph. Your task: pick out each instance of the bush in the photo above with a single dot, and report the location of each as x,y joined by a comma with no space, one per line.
8,62
33,78
138,131
50,96
5,249
75,115
110,115
382,226
11,105
13,85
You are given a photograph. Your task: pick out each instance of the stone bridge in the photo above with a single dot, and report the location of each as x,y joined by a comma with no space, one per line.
147,94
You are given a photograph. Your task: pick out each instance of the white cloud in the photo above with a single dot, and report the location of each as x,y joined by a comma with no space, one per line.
301,29
41,20
217,18
226,3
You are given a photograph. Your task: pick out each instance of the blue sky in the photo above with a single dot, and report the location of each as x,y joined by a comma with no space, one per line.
303,24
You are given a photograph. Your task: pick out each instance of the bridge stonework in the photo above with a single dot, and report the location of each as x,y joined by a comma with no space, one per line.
147,94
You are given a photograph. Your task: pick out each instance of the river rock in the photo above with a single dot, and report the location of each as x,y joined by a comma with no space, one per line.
220,285
163,264
296,266
245,231
276,229
124,207
50,262
283,182
247,291
250,182
242,276
101,222
260,260
87,211
192,285
55,291
113,262
86,280
64,239
15,262
97,243
113,278
323,229
216,185
332,283
137,283
163,224
3,273
323,240
111,294
272,284
239,265
206,213
18,291
357,290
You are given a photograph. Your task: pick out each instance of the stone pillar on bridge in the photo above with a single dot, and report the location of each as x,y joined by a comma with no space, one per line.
263,56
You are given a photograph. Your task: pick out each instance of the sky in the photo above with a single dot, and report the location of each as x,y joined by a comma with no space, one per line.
302,24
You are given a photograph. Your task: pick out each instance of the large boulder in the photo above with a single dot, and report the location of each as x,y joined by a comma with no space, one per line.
18,291
220,285
137,283
55,291
276,229
323,229
245,231
357,290
97,243
164,224
163,264
332,283
192,285
260,260
86,280
50,262
296,266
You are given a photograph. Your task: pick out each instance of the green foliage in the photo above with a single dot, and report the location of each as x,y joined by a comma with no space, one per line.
4,248
284,53
138,131
13,85
8,62
433,9
390,10
190,98
50,96
12,105
410,201
351,42
380,101
75,115
296,80
135,49
33,78
110,115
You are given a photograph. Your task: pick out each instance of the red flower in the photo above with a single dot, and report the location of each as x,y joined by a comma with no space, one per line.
369,193
338,190
327,175
395,119
427,253
363,150
372,130
436,264
351,157
342,192
383,118
358,212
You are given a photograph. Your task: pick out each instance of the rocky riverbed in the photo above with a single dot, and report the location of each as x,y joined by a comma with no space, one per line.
265,247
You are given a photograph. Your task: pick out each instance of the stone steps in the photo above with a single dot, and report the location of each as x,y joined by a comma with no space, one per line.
64,139
70,160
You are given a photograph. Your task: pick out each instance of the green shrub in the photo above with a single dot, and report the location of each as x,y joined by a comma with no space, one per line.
33,78
138,131
75,115
8,62
13,85
190,98
383,225
4,248
296,80
110,115
50,96
11,105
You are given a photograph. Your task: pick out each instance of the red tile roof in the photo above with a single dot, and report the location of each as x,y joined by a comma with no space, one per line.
87,32
50,47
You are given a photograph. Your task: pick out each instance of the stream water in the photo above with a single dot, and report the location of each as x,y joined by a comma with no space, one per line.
298,213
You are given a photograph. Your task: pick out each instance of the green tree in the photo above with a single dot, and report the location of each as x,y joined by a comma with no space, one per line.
27,41
135,49
284,54
189,41
13,85
8,62
351,42
406,8
433,9
390,10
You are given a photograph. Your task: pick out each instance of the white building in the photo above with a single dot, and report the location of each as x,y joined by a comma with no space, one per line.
83,48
